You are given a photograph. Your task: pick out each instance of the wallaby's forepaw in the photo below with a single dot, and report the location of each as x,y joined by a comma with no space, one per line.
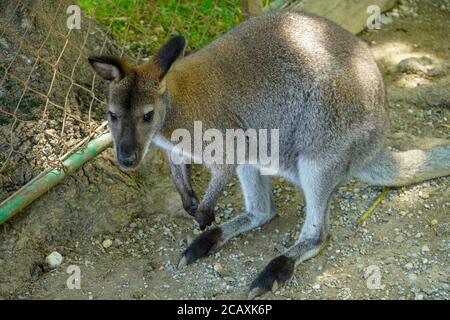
274,275
204,217
205,244
190,205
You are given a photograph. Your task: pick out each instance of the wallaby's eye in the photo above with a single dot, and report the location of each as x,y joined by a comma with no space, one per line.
148,116
112,115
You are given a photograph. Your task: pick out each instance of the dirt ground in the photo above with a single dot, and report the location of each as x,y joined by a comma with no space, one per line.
403,244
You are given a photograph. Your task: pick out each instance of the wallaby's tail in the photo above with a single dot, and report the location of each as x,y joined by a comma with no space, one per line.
388,168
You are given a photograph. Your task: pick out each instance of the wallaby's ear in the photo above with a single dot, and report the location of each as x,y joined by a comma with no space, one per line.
109,68
168,53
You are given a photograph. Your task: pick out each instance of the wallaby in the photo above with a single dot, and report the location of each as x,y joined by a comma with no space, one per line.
293,71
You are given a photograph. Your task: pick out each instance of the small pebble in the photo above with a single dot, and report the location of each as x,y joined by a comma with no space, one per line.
218,267
54,259
229,279
106,243
412,277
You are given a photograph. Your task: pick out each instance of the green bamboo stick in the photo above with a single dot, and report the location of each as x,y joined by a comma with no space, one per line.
47,180
377,201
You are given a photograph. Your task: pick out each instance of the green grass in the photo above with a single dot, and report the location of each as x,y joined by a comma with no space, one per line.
144,25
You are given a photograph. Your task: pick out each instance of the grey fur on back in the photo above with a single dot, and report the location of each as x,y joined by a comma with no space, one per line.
297,72
293,71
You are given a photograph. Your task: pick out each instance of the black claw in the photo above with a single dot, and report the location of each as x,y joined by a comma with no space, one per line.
205,244
204,218
274,275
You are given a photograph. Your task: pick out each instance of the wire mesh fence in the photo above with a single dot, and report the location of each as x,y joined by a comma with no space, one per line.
51,102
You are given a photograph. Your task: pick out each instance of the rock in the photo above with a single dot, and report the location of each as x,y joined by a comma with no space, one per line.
385,19
436,95
54,260
316,286
425,248
412,277
433,222
398,238
107,243
443,229
414,65
139,294
409,266
218,267
229,279
425,196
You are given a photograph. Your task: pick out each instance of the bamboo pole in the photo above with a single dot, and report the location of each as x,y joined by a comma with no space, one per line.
50,178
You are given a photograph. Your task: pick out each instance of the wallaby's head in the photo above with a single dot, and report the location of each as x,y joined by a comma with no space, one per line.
135,111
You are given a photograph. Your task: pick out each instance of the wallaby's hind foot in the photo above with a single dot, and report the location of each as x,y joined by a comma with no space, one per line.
211,240
281,269
205,244
274,275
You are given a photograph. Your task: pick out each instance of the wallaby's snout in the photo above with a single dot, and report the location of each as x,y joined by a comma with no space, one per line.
128,162
135,113
126,154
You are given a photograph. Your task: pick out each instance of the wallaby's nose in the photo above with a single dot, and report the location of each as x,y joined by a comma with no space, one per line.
127,154
128,161
126,157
